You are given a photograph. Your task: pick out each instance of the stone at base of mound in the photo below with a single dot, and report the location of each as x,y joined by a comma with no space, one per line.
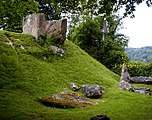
67,99
141,79
93,91
126,86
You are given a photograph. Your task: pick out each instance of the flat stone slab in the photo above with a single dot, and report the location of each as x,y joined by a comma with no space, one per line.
141,79
67,99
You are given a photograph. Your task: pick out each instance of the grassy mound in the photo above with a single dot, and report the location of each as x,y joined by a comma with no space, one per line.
29,71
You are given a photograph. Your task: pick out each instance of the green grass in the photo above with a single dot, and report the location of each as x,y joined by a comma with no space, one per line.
25,77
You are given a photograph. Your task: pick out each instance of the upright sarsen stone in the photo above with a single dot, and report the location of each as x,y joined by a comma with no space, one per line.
31,25
36,25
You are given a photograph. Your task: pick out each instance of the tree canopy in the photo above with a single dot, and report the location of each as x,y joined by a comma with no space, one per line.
13,11
110,50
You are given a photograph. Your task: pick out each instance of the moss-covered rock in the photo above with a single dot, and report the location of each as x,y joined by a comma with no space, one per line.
67,99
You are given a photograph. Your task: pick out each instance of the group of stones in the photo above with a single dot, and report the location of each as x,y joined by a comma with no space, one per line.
70,99
125,81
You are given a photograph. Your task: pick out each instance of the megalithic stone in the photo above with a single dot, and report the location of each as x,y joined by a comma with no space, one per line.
36,25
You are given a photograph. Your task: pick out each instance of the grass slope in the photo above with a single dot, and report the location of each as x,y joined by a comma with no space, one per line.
25,76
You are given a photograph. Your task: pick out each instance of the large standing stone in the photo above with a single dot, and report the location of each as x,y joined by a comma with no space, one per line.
93,91
36,25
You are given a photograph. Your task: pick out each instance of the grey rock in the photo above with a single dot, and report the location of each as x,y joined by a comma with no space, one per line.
141,79
125,79
100,117
74,87
126,86
93,91
142,91
36,25
57,50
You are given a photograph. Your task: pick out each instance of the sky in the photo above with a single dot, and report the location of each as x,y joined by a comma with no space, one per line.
139,29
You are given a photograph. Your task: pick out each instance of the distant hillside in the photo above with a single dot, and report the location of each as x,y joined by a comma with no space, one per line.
29,71
143,54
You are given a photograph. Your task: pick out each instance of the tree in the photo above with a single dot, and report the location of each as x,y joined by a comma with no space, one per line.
109,51
13,11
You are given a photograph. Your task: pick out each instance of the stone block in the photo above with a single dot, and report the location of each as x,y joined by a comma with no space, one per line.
36,25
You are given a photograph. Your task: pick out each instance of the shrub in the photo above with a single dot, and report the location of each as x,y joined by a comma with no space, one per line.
140,69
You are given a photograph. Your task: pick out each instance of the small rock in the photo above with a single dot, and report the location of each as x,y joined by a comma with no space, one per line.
58,50
100,117
74,87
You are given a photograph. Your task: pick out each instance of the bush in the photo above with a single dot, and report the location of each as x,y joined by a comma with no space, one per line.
140,69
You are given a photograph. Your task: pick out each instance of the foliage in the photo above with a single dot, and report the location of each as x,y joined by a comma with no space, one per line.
135,68
54,40
143,54
94,7
46,43
109,51
53,9
13,11
140,69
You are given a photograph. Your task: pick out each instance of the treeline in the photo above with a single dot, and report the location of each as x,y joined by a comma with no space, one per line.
143,54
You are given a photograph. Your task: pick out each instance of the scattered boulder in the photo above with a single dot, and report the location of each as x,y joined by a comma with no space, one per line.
67,99
93,91
141,79
36,25
126,86
100,117
74,87
57,50
142,91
